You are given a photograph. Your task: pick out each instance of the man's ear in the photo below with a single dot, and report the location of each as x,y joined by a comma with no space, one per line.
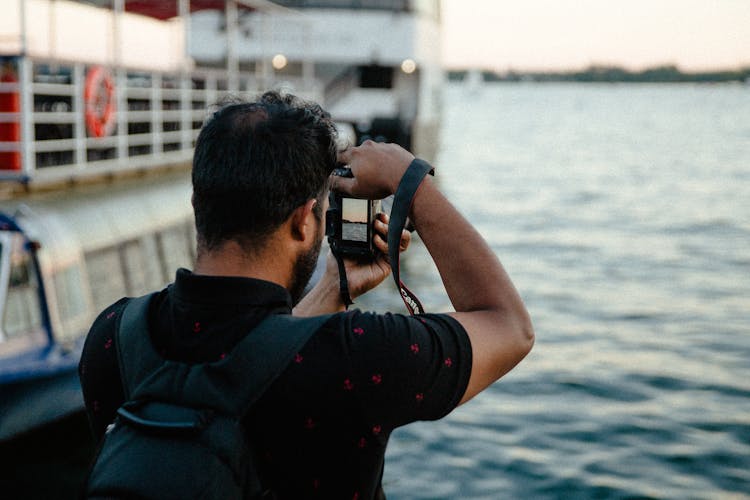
303,221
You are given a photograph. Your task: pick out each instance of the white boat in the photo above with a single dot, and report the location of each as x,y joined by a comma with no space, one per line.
99,110
374,64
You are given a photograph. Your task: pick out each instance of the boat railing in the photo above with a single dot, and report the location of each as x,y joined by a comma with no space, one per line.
64,121
389,5
341,85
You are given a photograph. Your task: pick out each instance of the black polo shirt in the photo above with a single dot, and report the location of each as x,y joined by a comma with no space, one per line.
322,427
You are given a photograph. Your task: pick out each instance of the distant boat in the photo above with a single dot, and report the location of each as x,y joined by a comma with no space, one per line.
473,80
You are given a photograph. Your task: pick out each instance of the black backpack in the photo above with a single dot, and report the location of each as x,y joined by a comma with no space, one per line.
179,434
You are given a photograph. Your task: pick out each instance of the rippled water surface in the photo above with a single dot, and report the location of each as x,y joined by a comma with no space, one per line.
622,213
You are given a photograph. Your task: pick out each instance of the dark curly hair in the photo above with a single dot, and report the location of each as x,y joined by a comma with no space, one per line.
254,163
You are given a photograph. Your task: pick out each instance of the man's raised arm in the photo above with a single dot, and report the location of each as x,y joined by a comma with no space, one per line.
485,301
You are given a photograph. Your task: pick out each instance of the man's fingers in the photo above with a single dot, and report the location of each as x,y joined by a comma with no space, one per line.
381,224
405,241
381,244
381,236
345,156
342,184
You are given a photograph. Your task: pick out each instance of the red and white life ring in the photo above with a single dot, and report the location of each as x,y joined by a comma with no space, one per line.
99,101
10,131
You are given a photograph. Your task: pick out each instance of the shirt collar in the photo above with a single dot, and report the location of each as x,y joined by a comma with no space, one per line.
229,290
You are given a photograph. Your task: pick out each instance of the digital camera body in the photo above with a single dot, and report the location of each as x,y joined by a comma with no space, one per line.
349,223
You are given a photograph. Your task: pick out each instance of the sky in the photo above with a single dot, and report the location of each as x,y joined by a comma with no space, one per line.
572,34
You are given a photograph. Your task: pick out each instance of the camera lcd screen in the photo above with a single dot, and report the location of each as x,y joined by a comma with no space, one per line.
354,219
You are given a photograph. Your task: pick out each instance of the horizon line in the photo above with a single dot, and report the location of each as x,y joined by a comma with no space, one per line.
572,69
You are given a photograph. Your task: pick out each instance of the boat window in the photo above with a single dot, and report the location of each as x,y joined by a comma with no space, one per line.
137,266
140,262
71,301
105,276
22,311
133,267
153,275
176,249
376,77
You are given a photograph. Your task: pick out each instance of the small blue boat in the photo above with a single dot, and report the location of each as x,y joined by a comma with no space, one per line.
65,257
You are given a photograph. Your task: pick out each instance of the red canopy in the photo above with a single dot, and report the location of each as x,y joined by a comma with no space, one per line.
167,9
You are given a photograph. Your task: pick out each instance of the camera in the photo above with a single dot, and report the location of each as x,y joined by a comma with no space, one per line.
349,223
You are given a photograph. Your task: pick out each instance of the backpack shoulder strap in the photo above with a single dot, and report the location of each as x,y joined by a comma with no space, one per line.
135,353
230,385
265,353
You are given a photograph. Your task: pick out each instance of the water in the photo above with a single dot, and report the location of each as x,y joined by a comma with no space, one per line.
622,214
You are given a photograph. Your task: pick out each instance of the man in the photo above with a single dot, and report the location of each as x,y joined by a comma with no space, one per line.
260,178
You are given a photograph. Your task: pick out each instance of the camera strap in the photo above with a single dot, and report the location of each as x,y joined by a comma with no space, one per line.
343,282
402,202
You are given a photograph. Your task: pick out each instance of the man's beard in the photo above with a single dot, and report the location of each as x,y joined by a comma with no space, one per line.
303,270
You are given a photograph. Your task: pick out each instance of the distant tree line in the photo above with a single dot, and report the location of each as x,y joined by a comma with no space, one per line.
596,73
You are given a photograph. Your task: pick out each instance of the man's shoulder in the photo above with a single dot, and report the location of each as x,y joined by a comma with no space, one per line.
398,321
114,310
392,329
399,367
107,321
105,317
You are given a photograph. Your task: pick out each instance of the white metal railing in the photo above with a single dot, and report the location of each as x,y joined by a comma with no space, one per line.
156,120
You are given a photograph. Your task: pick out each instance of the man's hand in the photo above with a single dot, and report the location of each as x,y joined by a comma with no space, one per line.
377,169
362,277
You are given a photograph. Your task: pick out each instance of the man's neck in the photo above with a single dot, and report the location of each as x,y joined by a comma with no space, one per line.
231,260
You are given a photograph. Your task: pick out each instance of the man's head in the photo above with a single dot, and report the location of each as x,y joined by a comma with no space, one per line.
254,163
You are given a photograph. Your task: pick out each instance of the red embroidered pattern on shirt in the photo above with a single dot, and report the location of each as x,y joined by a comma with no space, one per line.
359,331
197,327
298,358
414,348
348,385
448,362
376,378
108,343
376,429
